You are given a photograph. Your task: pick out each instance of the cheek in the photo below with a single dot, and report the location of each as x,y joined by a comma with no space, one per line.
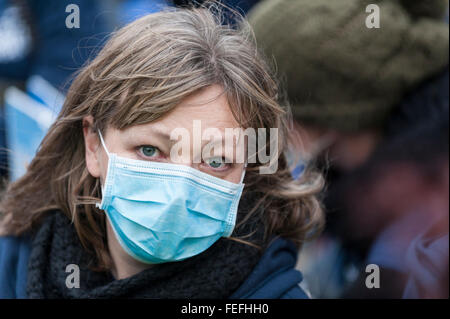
235,175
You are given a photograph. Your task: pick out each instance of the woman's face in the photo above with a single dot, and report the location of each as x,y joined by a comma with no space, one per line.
152,142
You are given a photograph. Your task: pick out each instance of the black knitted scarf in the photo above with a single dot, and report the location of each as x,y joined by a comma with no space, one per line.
215,273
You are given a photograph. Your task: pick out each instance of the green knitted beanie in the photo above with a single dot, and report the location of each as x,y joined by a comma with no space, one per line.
337,72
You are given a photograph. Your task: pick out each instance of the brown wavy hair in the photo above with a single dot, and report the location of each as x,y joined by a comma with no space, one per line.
142,73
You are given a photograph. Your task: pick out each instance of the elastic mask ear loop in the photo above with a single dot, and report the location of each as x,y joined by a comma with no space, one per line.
243,173
98,205
103,142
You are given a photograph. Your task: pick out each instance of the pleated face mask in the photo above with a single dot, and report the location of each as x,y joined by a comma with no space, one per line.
163,212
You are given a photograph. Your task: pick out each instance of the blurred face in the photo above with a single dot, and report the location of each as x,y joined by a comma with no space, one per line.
352,150
394,190
152,142
346,151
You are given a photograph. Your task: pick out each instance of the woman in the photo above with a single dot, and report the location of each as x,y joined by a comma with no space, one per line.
104,196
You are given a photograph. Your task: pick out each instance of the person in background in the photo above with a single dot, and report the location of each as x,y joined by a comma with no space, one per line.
46,46
36,41
343,81
398,201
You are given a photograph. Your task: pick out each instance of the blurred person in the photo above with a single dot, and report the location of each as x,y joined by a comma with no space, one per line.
342,78
103,193
36,41
398,202
343,81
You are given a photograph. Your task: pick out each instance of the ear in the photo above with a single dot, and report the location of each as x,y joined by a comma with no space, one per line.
91,143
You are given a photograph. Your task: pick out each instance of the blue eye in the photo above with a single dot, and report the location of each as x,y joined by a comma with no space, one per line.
215,162
150,151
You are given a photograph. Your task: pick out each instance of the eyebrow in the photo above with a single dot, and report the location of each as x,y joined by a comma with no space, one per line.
142,136
161,133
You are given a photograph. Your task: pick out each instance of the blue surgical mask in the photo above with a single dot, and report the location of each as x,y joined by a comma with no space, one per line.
163,212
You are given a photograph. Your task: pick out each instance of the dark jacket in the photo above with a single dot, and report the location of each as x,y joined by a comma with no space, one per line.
274,277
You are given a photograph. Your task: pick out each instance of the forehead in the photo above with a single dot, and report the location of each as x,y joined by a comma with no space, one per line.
210,106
